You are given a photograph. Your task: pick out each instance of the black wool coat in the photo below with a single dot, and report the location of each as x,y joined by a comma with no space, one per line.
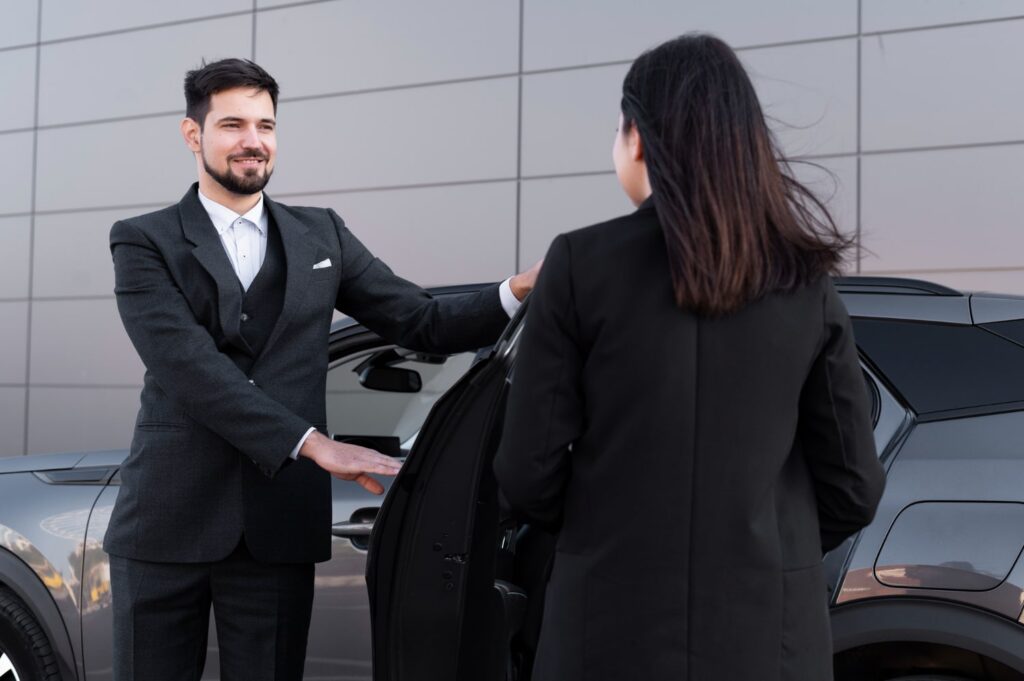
695,469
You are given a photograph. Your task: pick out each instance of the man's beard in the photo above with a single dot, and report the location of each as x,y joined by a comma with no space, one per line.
251,183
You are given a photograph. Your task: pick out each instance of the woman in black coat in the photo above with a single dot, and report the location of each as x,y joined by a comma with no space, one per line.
687,412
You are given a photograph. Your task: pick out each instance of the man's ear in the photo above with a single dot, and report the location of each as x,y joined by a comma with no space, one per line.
191,133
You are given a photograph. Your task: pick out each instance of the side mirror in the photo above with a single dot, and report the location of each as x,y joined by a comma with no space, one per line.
390,379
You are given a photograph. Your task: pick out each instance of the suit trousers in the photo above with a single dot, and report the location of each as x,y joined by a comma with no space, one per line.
162,618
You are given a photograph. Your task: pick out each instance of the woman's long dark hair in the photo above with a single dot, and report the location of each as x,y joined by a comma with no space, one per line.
736,223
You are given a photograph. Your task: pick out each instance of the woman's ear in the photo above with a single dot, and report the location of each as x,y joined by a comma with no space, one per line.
191,133
636,145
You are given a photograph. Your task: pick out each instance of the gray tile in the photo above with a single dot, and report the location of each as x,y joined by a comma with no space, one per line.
834,182
12,422
19,24
72,253
13,339
808,91
360,45
398,137
81,342
609,30
65,18
277,3
886,15
955,209
569,120
992,281
556,205
84,80
18,83
809,94
553,206
946,86
16,172
113,164
80,419
15,234
434,235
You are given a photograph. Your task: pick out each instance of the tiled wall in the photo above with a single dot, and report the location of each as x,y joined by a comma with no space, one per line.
458,136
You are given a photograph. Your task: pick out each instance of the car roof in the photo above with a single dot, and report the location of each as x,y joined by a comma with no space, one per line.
918,300
869,297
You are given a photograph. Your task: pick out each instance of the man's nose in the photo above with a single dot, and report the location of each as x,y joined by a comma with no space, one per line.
251,138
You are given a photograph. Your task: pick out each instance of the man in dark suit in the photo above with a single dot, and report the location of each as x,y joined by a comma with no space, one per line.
228,297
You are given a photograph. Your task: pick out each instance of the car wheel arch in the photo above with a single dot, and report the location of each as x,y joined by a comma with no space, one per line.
26,585
863,624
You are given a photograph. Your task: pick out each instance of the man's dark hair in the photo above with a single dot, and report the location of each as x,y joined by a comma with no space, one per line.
209,79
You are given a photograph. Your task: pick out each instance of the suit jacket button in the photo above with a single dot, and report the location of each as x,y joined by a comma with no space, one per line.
245,317
252,382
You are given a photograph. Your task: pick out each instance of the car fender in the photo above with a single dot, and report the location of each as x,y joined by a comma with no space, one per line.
19,578
909,619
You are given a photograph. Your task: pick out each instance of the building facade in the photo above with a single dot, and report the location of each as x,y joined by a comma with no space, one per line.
457,137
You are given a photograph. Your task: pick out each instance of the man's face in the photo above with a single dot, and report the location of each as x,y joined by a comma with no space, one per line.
239,141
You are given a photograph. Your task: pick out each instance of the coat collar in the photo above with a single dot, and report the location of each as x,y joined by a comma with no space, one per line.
198,229
300,255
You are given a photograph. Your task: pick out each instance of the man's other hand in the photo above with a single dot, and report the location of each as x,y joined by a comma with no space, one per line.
522,283
349,462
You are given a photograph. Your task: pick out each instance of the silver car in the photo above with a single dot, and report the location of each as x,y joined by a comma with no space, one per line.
932,589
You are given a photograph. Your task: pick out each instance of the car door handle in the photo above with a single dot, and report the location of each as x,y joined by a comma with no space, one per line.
352,529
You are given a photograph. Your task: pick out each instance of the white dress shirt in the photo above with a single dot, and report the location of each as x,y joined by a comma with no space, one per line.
245,240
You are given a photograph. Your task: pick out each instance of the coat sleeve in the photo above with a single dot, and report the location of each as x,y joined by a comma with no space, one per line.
405,314
545,407
835,431
183,358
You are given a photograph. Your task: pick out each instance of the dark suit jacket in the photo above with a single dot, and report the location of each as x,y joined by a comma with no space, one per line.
695,468
209,459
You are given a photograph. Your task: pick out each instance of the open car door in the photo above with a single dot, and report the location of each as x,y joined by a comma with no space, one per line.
439,608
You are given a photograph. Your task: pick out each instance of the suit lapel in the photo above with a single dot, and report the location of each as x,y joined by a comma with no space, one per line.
209,251
299,257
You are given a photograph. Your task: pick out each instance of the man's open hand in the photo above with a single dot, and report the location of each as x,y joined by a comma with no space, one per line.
349,462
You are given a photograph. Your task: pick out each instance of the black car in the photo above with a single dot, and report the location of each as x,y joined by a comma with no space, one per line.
932,589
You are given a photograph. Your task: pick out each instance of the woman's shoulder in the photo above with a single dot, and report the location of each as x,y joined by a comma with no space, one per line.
611,236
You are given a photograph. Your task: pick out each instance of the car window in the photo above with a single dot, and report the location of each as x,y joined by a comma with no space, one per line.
943,367
353,409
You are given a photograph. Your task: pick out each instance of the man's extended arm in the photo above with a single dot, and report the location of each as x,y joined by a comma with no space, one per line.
183,358
405,314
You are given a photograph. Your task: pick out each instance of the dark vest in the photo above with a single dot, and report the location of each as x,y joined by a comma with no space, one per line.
262,303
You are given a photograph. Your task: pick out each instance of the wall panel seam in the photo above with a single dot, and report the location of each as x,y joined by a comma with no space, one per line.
857,198
519,143
32,225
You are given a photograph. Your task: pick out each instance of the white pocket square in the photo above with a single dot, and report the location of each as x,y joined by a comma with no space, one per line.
322,264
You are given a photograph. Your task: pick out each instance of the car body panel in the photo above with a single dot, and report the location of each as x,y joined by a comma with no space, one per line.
970,460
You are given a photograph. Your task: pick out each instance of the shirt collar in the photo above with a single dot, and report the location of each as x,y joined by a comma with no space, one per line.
223,217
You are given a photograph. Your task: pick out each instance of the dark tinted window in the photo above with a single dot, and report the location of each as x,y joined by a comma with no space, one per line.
1011,330
939,367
